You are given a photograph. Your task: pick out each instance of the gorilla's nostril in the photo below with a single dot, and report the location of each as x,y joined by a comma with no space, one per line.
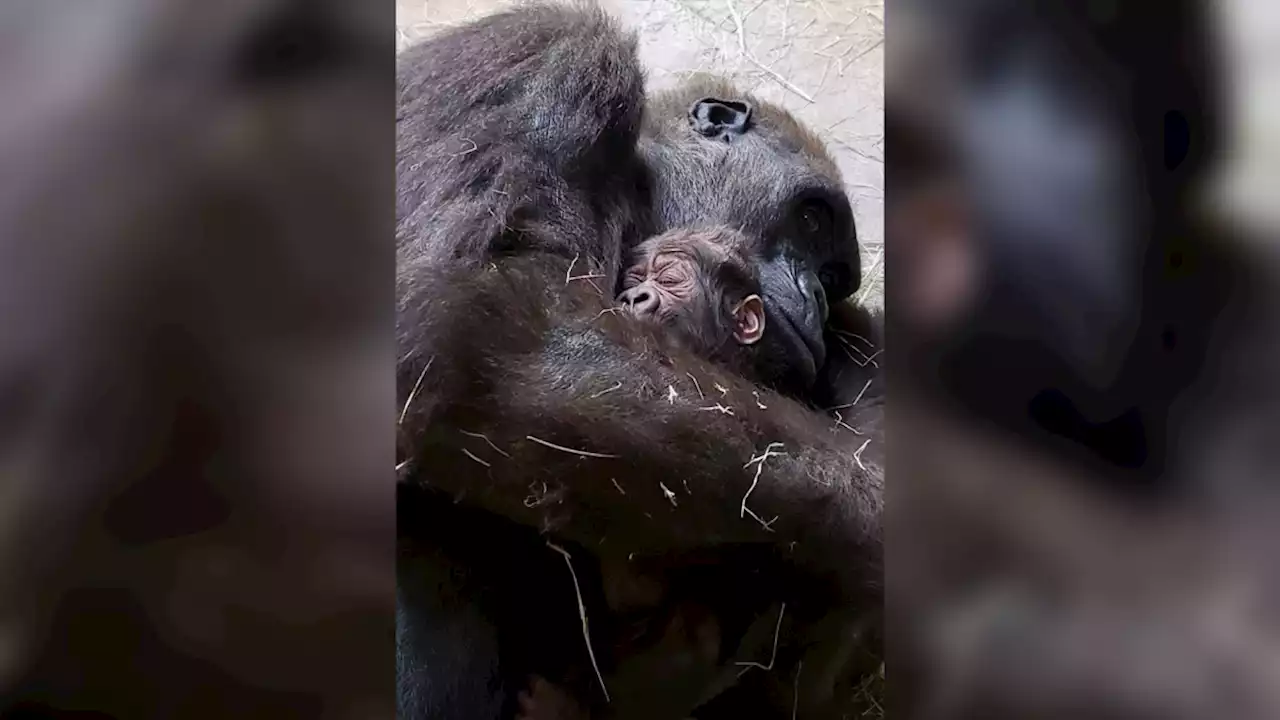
639,301
820,300
814,294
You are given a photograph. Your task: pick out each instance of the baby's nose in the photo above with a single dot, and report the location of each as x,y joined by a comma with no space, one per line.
640,300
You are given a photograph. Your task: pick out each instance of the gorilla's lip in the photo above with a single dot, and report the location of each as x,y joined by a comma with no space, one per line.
813,343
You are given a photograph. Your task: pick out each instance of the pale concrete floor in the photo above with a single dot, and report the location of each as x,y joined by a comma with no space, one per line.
825,61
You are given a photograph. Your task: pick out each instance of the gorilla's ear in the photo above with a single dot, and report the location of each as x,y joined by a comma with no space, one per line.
719,118
748,320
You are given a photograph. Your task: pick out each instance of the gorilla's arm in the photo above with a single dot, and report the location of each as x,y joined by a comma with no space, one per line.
571,419
518,133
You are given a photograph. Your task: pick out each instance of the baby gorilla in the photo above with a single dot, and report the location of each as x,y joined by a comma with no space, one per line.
701,285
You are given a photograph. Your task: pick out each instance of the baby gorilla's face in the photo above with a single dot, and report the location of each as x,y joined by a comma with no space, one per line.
699,284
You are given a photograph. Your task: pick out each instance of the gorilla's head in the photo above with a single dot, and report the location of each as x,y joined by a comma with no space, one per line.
718,156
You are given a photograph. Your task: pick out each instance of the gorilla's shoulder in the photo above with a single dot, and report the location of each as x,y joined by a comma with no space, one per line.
539,43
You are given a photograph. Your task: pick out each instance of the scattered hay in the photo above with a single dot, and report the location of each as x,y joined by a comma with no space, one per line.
537,494
742,48
841,423
582,613
571,451
474,147
874,269
795,690
404,411
772,656
696,386
606,391
473,457
482,436
858,454
589,276
758,461
856,400
669,495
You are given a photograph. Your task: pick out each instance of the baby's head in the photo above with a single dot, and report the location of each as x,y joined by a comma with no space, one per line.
700,284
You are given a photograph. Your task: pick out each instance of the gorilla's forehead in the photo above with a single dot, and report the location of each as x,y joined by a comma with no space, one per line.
751,182
701,182
666,120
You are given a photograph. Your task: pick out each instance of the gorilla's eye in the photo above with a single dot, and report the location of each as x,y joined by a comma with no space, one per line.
670,275
814,217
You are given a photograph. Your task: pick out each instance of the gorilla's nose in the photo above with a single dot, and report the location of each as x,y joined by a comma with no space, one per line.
811,286
640,300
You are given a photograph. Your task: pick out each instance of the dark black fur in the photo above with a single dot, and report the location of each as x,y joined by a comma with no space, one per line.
516,382
528,157
548,371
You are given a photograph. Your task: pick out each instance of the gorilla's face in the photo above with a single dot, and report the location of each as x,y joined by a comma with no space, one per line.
720,157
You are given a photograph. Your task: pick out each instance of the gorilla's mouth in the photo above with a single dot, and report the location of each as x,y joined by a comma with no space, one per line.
806,340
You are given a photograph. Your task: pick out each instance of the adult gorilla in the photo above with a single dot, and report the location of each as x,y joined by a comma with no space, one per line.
528,162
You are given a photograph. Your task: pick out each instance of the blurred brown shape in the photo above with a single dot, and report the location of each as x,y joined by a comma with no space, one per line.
193,233
1082,516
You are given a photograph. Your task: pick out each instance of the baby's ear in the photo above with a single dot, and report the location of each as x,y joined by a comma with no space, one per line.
748,320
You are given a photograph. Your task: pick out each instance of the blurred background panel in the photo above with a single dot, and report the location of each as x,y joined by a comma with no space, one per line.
196,254
1081,231
1251,29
